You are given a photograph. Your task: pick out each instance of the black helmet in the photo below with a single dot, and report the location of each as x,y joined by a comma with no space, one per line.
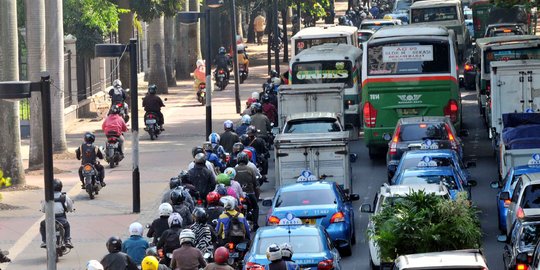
245,140
274,73
57,185
265,98
115,110
174,182
265,86
196,150
257,107
237,147
251,130
89,137
242,158
114,244
184,177
177,196
200,215
222,50
152,89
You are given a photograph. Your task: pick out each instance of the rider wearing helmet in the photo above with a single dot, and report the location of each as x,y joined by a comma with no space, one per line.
243,58
135,246
261,151
150,263
246,177
231,172
116,259
224,181
194,151
221,257
187,256
152,103
232,225
217,148
160,224
228,137
245,122
62,205
214,207
169,241
190,191
223,61
88,153
118,95
261,122
212,156
199,74
268,108
114,125
178,198
204,233
203,179
274,255
237,148
287,253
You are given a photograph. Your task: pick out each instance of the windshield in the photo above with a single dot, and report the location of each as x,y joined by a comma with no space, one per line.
441,162
409,57
402,5
302,44
305,243
323,72
434,14
420,132
531,197
509,54
301,197
497,32
312,126
447,180
375,26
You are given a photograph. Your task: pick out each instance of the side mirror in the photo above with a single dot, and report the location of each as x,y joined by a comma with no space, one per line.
472,183
127,90
495,185
366,208
165,99
267,202
504,196
501,238
354,197
470,164
242,247
353,158
464,132
272,124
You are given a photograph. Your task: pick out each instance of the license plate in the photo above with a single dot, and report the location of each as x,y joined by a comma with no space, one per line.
309,221
221,75
234,255
150,121
412,111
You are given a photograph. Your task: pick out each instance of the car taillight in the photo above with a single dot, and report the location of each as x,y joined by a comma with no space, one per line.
468,67
488,89
337,217
507,203
199,202
395,140
119,105
451,110
254,266
325,265
221,71
273,220
370,115
451,137
520,214
522,266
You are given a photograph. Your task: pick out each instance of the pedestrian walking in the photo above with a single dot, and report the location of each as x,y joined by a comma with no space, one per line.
259,24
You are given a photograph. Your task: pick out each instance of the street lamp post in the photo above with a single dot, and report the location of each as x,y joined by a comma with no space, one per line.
22,89
276,36
235,56
116,50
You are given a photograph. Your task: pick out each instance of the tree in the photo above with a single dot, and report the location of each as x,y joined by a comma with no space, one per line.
35,44
170,55
125,32
423,222
10,139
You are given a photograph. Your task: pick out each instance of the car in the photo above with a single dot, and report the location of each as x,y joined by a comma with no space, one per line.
424,132
312,122
530,262
505,29
507,185
312,247
524,198
364,35
427,172
317,202
387,195
523,239
376,24
470,259
443,157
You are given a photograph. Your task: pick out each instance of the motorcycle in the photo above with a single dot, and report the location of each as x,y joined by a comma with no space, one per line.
246,209
222,80
61,248
153,129
123,107
201,94
242,70
236,254
91,183
112,152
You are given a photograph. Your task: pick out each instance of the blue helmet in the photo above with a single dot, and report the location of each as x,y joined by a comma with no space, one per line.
214,138
246,119
228,124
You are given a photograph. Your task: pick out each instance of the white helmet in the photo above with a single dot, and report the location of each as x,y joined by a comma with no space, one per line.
94,265
136,228
229,203
246,119
165,209
117,83
187,236
273,252
255,95
200,62
276,81
286,250
175,219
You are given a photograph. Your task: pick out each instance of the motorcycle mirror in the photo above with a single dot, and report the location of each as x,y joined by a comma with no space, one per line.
127,90
165,99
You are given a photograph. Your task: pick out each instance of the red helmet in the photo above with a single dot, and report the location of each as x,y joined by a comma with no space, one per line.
221,255
249,153
212,197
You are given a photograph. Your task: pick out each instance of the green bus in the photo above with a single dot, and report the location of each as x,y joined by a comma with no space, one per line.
408,71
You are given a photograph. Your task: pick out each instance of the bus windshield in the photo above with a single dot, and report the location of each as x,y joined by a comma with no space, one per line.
408,57
510,54
302,44
434,14
323,72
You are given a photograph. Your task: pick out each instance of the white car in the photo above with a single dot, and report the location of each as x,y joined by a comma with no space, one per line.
456,259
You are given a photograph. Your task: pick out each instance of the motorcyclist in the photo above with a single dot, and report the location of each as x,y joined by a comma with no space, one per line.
88,153
224,227
269,109
247,179
118,95
248,110
204,233
217,148
199,74
228,137
231,172
223,61
213,208
286,255
202,178
116,259
194,151
243,58
261,122
249,151
114,125
152,103
237,148
245,122
179,206
187,189
221,257
212,156
160,224
224,180
190,192
62,205
169,240
135,246
260,149
187,257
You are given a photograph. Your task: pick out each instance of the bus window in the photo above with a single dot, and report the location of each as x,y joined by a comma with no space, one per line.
434,14
302,44
323,72
408,58
510,54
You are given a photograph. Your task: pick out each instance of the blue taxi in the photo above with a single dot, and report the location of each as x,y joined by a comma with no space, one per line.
312,247
322,203
507,185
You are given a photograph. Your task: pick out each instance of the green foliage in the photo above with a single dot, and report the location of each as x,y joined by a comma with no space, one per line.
313,7
148,10
423,222
21,15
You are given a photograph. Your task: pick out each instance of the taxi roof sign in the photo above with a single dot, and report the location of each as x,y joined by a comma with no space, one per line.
306,176
534,161
429,144
290,219
426,161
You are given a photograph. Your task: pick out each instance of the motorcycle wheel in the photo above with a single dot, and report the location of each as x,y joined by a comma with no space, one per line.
90,191
242,78
112,163
152,136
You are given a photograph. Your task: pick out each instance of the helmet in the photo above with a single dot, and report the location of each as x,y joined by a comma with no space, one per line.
221,190
229,203
257,106
246,119
175,220
228,124
150,263
251,130
195,150
224,179
114,110
240,48
231,172
200,62
222,50
177,196
242,158
255,95
152,89
187,236
237,147
265,86
245,139
174,182
273,252
152,251
214,138
265,98
89,137
94,265
199,215
184,177
212,197
136,228
250,101
117,83
200,158
276,81
114,244
207,146
273,73
57,185
249,153
165,209
286,250
221,255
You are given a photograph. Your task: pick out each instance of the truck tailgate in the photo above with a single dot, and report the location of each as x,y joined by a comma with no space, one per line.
517,157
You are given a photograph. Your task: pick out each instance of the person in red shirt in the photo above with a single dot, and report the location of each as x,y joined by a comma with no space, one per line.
115,123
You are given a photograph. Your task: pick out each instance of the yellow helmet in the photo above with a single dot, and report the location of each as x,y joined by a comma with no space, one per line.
149,263
387,17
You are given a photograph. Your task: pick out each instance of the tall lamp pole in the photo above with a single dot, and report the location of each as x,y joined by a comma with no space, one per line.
276,36
235,56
